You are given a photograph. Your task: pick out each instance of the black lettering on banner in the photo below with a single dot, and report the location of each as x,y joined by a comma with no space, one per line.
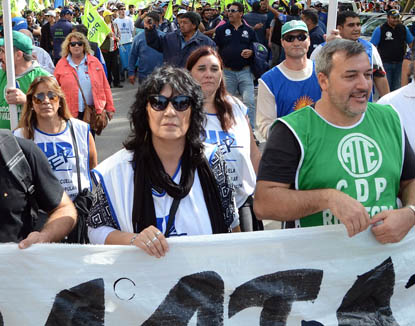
410,282
83,304
275,293
368,300
311,323
202,292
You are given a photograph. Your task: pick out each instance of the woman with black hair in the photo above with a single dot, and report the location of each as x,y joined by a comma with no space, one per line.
165,182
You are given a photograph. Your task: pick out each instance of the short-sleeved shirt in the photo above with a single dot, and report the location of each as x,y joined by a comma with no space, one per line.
15,219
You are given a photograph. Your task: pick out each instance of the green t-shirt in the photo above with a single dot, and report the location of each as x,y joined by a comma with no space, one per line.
23,82
364,160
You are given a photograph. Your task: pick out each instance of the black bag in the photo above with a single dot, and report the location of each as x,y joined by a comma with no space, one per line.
260,63
82,202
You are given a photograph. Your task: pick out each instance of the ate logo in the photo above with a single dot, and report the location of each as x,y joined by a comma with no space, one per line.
359,155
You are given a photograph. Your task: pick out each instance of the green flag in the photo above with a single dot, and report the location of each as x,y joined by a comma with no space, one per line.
97,28
169,12
35,6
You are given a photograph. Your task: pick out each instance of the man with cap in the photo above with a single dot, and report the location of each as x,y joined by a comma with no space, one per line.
391,39
177,46
235,44
26,70
46,41
342,161
292,84
59,31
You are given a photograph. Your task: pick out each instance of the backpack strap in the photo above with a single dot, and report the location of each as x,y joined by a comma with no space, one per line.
16,161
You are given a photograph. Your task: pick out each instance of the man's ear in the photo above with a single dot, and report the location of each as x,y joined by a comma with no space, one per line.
323,81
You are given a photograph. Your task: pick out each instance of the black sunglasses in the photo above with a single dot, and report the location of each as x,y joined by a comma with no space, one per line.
232,10
291,38
40,97
180,102
79,43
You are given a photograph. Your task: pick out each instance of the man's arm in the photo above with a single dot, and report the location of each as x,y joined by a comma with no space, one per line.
266,109
275,201
153,38
382,85
375,36
61,221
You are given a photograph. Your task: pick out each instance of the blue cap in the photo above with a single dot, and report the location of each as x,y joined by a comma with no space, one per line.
19,23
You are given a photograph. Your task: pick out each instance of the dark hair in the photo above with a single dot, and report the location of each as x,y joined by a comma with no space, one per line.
312,15
294,10
324,60
80,28
343,15
154,16
193,17
239,5
223,107
181,83
256,7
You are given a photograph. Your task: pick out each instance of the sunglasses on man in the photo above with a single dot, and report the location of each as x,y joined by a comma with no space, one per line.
291,38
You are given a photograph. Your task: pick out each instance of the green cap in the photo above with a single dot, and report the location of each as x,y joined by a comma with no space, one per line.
21,42
293,25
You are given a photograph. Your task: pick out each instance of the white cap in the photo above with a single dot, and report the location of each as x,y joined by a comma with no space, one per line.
181,11
51,13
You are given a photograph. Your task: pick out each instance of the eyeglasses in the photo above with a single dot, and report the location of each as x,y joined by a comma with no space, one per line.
180,102
232,10
80,43
40,97
291,38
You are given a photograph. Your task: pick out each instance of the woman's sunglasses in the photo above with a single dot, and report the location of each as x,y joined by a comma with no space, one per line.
80,43
180,102
40,97
291,38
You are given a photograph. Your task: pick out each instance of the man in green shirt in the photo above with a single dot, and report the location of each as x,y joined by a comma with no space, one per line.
344,160
26,70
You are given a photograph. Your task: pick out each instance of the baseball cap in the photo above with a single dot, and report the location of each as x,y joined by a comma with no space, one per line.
66,11
393,13
181,12
51,13
21,42
19,23
293,25
107,13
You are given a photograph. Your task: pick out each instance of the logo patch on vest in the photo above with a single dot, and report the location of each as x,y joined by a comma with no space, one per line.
359,155
388,36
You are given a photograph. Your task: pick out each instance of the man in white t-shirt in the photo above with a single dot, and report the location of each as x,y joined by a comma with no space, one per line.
349,26
126,26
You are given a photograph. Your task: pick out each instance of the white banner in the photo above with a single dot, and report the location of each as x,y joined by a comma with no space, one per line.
311,276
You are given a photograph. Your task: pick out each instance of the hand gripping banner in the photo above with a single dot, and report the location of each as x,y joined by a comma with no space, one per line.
311,276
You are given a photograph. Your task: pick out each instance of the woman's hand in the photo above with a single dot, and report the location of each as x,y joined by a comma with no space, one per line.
152,241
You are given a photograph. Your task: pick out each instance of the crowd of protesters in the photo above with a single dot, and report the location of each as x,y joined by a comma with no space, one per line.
191,164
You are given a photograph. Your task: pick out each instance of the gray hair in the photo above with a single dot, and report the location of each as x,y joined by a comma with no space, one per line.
324,60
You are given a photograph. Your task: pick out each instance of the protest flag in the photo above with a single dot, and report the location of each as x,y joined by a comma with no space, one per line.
169,12
97,28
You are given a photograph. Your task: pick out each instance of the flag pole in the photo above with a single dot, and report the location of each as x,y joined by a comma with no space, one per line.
8,49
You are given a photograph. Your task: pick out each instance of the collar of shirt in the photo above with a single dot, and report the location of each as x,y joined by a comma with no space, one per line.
184,43
409,91
81,64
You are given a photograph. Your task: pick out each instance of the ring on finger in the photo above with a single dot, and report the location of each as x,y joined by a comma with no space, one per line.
157,234
154,239
148,243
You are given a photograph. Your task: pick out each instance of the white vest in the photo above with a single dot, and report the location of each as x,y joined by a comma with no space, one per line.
60,153
235,145
116,176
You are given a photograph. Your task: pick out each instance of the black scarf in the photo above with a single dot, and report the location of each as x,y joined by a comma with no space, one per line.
149,173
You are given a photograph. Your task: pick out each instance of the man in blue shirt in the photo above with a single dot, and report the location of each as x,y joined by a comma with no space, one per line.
59,32
148,58
177,46
235,43
391,39
310,18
